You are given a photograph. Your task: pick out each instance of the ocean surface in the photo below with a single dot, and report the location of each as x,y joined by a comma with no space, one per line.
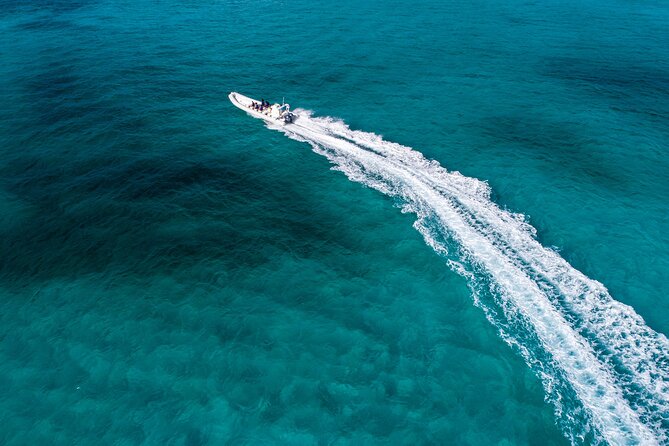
464,239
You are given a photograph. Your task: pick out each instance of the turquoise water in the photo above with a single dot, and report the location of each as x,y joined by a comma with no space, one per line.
174,272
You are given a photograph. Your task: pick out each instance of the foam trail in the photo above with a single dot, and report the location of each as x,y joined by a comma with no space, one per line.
636,353
615,364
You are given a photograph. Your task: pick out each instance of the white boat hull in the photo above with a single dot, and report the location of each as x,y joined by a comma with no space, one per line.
272,114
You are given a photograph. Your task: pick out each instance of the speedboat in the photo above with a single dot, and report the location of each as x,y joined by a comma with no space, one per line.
275,113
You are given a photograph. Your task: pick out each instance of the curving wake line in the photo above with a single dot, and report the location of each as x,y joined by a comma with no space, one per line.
579,339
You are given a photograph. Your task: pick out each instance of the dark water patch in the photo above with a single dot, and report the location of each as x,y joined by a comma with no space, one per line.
138,215
43,24
62,97
650,80
52,6
148,70
558,145
55,85
637,87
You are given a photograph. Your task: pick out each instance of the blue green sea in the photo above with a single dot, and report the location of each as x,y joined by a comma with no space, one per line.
462,240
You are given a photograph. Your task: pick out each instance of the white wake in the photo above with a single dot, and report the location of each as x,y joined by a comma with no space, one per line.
600,349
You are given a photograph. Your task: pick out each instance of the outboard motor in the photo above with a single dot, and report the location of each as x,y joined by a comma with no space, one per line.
288,117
